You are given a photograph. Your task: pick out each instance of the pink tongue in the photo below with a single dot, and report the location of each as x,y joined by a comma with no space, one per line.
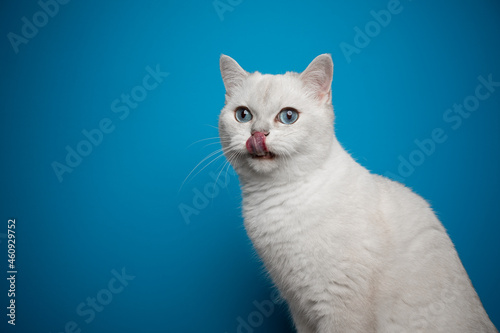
256,144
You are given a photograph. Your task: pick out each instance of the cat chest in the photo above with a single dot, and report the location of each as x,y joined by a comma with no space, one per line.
273,215
277,226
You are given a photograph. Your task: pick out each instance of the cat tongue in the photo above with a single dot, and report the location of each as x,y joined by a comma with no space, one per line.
256,144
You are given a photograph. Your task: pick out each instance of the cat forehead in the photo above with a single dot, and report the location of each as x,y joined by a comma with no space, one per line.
263,83
262,90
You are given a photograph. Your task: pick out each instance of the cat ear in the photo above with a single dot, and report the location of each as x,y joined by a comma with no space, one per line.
318,77
232,73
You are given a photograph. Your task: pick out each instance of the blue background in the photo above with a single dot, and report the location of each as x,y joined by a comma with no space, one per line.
120,207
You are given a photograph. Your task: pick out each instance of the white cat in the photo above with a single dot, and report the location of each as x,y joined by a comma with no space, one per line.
350,251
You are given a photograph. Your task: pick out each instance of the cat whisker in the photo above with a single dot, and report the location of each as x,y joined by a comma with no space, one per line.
222,169
218,152
206,139
212,143
232,158
216,127
232,153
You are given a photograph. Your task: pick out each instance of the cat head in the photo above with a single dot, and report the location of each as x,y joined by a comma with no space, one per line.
276,125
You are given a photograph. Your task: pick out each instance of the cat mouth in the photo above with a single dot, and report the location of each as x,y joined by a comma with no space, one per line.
264,156
256,146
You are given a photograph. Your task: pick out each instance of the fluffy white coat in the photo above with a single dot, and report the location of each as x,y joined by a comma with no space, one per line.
350,251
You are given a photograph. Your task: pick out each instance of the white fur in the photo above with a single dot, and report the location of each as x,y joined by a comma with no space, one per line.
350,251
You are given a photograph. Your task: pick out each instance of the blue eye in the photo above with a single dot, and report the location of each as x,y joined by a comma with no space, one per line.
288,116
243,115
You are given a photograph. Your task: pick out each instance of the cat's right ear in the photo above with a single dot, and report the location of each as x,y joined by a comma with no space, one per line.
318,77
232,73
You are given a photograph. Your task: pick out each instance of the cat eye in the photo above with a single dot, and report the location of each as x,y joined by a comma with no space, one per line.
243,115
288,116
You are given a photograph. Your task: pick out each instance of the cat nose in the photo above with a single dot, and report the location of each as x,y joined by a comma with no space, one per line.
260,126
266,133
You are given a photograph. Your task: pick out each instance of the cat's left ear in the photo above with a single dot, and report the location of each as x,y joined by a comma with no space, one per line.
318,77
232,73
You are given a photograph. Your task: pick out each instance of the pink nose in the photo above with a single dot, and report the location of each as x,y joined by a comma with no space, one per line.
256,144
